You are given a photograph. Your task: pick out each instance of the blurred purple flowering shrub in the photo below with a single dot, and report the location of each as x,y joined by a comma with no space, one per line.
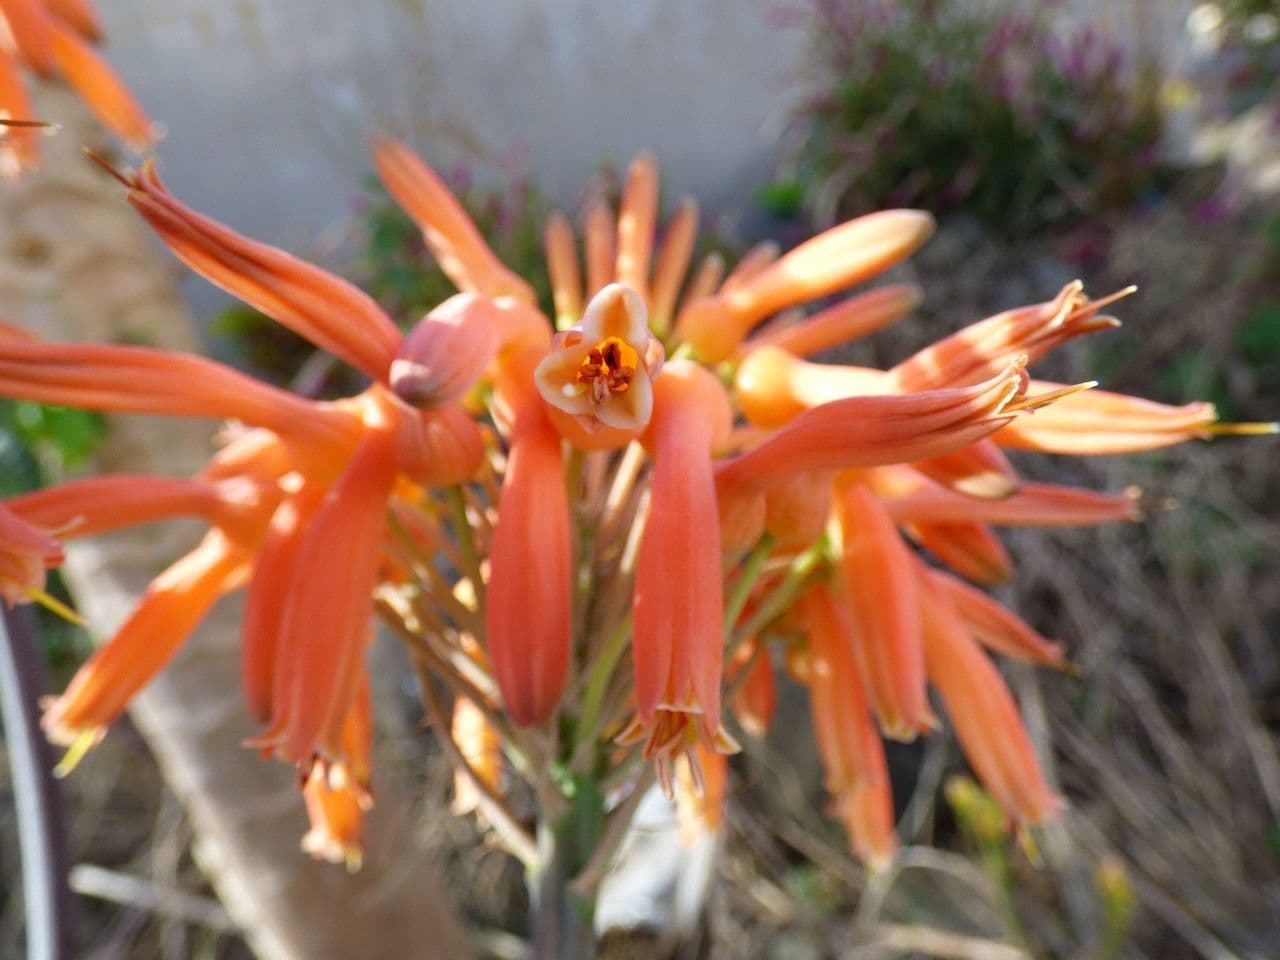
956,106
1243,37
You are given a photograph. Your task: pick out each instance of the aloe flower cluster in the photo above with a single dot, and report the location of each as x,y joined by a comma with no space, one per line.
604,532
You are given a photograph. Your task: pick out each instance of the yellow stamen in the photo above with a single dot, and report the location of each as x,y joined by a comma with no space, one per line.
54,605
608,368
1241,429
1043,399
81,745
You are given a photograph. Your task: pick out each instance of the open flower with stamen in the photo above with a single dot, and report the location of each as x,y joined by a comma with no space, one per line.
599,372
677,643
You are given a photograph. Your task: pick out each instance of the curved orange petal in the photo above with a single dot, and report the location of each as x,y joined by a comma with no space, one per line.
174,603
877,578
325,622
19,146
452,237
273,575
99,87
637,214
31,29
528,598
672,264
838,258
984,714
127,379
981,349
872,430
851,319
970,549
326,310
678,603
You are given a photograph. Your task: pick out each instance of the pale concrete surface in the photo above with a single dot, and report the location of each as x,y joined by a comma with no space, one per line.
269,104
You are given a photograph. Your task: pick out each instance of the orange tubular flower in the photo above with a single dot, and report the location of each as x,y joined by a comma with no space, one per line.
527,608
324,625
636,217
677,638
673,263
703,777
839,258
30,31
337,794
852,755
93,505
336,814
983,713
984,348
1098,422
969,549
877,576
600,238
25,554
265,680
850,319
174,603
102,91
979,470
995,627
327,311
49,37
562,268
121,379
869,430
1036,504
599,372
451,236
756,699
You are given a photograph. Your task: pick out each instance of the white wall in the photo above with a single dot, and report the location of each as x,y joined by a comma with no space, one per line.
269,103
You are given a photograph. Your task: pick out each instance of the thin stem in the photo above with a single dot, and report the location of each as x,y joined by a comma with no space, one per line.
743,673
606,662
746,581
587,882
624,481
466,542
784,593
516,838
